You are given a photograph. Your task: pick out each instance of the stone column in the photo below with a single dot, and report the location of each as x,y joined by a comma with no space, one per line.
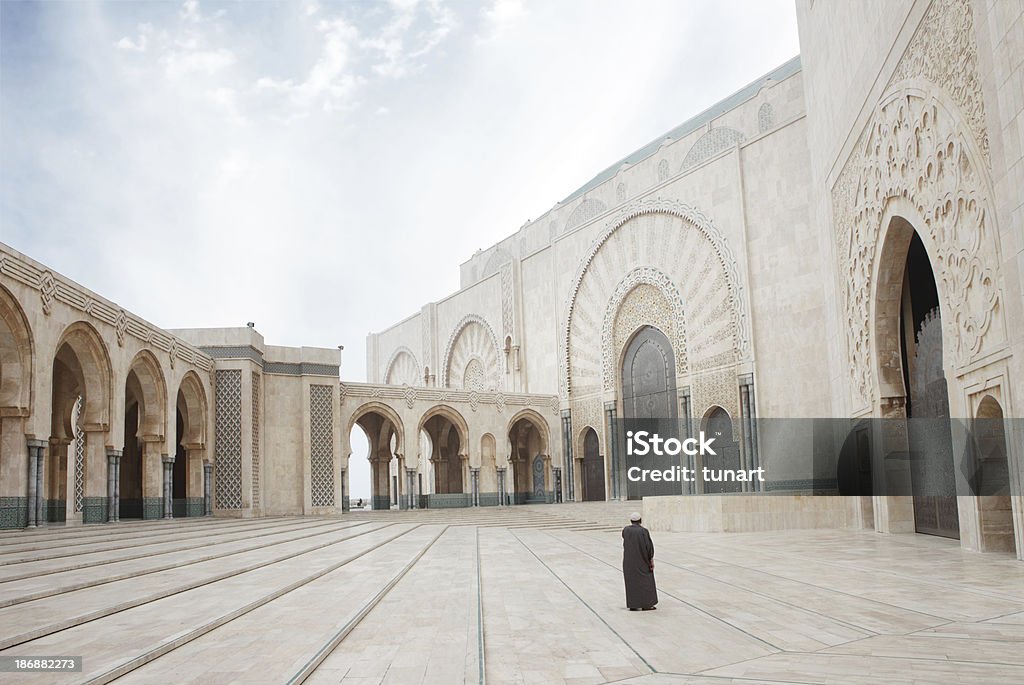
41,484
168,462
556,471
113,484
611,416
344,492
474,474
749,441
501,486
207,489
35,448
686,424
152,479
410,487
567,450
95,493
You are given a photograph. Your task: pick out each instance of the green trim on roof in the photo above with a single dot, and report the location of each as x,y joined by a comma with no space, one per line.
690,125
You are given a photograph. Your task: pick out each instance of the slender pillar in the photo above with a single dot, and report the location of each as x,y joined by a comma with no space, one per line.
501,486
475,479
207,489
556,471
686,421
611,414
567,451
168,462
40,483
749,424
34,493
410,487
344,491
113,484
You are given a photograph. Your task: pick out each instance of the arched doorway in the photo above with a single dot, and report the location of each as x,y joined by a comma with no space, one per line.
529,459
648,376
445,436
188,473
990,477
75,482
488,470
141,485
15,407
593,467
933,480
718,425
381,426
649,404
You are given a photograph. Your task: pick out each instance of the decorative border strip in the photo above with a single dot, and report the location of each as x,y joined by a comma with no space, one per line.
56,287
473,398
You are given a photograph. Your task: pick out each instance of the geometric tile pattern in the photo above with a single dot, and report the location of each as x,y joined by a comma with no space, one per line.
79,444
255,439
321,429
228,439
765,117
710,144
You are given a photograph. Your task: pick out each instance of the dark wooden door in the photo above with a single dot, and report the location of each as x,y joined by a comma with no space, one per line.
593,468
649,404
931,443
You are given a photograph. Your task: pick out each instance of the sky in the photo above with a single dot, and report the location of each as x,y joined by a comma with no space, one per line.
322,168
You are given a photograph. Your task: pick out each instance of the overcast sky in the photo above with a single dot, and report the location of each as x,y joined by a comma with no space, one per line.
322,168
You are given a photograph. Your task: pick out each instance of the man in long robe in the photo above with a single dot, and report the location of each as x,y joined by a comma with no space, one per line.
638,566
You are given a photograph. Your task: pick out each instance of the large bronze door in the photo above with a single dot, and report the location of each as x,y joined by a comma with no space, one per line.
931,443
649,404
593,468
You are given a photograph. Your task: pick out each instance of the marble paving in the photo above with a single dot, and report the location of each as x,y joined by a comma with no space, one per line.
529,594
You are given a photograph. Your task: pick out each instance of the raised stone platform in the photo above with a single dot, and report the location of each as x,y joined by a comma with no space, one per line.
748,513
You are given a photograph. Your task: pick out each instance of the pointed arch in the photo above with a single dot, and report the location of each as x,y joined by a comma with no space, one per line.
90,363
16,358
152,393
472,338
402,368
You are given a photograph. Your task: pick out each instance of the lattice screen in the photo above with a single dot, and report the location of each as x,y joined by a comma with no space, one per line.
228,447
321,428
255,439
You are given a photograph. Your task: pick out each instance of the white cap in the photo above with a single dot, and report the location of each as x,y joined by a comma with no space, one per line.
635,516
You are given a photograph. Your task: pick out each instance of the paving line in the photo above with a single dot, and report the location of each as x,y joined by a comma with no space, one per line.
941,619
480,613
253,533
117,532
994,594
661,560
170,645
332,643
680,599
131,604
43,594
68,551
584,603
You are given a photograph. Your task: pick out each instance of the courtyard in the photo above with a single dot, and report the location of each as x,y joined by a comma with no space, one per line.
529,594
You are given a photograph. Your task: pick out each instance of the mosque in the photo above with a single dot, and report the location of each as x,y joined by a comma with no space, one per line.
843,237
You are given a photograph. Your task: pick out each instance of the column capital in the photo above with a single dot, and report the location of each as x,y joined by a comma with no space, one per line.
36,443
167,458
114,454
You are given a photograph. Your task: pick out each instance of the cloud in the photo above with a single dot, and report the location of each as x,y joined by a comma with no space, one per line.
181,63
140,43
414,31
499,17
190,13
